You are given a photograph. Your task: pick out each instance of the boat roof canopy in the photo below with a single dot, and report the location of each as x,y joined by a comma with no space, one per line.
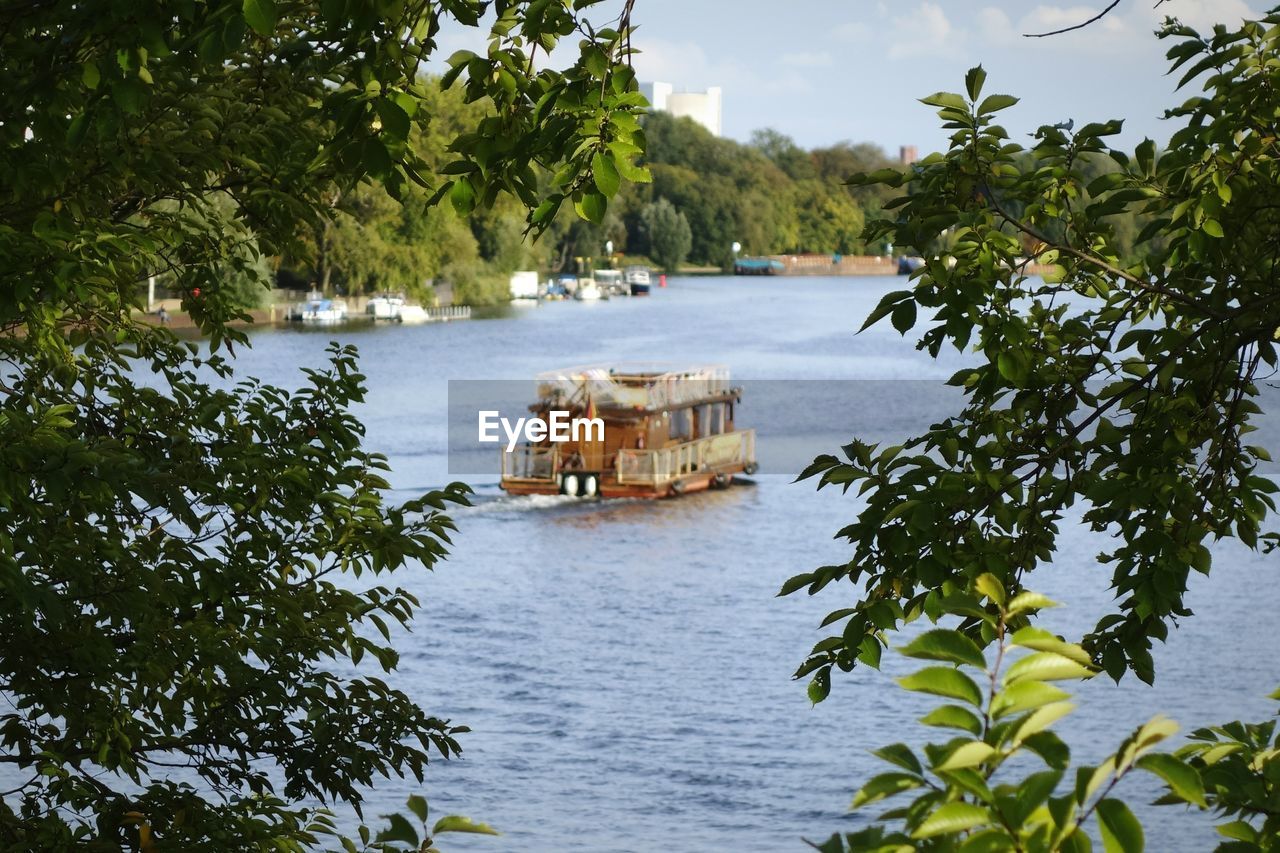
636,385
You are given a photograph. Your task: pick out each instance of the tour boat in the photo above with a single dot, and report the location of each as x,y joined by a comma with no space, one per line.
663,431
637,278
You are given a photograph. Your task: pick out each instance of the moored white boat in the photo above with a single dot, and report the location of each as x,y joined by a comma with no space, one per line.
637,278
385,306
413,314
610,281
587,290
319,309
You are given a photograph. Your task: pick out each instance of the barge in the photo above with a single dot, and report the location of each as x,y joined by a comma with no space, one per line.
667,431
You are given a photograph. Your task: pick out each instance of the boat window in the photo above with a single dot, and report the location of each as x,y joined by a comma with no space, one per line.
681,425
710,419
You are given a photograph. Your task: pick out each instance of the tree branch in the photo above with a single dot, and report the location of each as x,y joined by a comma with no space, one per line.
1095,18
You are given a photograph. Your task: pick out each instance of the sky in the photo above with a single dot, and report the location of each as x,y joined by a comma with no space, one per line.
823,71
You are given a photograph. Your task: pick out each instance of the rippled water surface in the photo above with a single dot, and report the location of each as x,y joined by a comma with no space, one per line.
625,666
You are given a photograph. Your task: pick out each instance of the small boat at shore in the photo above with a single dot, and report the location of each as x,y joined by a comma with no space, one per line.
588,291
319,310
638,279
612,283
758,266
385,306
631,431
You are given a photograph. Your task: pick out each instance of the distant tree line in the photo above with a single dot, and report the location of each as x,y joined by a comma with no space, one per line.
769,195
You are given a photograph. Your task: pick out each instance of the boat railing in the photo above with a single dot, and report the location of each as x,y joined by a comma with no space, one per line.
671,463
529,462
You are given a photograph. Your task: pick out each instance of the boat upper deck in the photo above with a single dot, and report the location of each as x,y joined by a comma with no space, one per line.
635,386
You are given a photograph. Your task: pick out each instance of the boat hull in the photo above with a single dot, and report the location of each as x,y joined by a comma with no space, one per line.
611,488
639,289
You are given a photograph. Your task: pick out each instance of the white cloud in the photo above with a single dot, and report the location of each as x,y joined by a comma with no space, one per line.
926,31
1202,14
995,26
687,66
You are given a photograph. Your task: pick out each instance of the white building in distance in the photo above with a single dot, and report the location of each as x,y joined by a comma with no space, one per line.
702,107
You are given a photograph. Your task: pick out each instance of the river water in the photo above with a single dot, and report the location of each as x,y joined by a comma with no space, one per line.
625,666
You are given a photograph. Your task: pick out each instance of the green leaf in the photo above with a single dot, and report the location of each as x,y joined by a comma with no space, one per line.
1050,747
399,830
969,754
395,121
89,74
943,681
819,686
945,645
953,717
995,103
1046,666
605,174
900,755
1239,830
1040,719
946,100
1025,696
884,785
1042,641
1121,832
973,81
418,805
463,196
458,823
1213,228
261,16
591,206
904,316
884,307
129,95
952,818
990,586
1183,781
1027,601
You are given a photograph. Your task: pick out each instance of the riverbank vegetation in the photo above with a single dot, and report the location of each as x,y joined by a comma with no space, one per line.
770,196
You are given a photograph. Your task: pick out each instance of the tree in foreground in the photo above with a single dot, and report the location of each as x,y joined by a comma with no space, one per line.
1120,392
193,569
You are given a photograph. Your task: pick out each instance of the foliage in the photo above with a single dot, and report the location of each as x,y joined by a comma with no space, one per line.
173,553
1240,766
998,783
190,568
771,196
401,836
667,234
1125,386
369,242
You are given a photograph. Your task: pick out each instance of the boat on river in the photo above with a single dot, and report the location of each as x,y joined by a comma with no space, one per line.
319,310
385,306
663,431
611,283
588,291
637,278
